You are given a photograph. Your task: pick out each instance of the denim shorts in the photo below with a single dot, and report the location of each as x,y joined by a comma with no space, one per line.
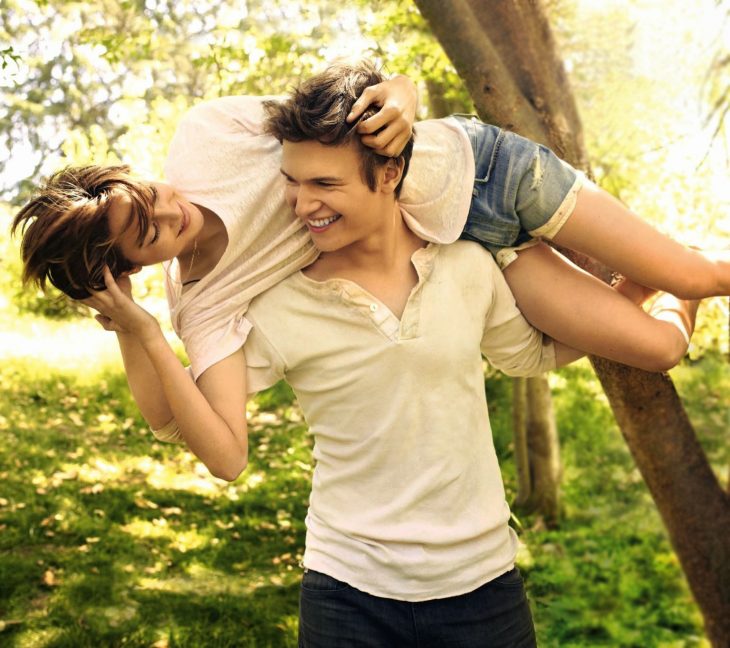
333,614
522,190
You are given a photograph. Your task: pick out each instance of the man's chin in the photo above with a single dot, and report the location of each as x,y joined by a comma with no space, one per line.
325,244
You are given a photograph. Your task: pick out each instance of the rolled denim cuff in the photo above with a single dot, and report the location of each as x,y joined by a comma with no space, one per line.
505,256
563,212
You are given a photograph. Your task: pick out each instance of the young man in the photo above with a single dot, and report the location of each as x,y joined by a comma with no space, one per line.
408,540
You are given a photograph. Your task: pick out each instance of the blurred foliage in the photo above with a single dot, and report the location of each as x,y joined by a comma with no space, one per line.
107,537
110,538
643,107
103,81
718,79
29,299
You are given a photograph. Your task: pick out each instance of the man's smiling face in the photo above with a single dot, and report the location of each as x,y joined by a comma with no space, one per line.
326,190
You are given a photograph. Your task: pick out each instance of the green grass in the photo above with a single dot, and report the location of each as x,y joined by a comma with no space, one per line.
108,538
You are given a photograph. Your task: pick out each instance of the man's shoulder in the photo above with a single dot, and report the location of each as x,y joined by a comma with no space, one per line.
469,268
468,255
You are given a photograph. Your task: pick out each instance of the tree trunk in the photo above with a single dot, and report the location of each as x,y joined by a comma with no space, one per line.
505,52
544,447
519,437
537,446
537,449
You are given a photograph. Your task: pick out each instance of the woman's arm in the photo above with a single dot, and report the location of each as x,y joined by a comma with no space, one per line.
210,415
389,130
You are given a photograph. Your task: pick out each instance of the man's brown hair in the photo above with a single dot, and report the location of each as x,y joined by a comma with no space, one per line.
318,108
65,230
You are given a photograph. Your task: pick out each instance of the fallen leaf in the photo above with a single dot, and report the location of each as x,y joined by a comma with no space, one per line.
49,578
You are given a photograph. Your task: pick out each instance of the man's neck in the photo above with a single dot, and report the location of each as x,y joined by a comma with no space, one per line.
381,254
381,265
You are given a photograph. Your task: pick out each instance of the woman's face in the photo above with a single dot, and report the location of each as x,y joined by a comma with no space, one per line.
174,224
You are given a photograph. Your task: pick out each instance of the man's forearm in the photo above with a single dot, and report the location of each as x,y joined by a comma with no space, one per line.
565,355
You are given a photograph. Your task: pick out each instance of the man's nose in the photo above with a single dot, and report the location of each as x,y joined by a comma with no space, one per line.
305,203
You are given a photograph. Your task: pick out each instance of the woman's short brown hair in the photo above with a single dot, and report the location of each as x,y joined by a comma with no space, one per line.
317,110
65,229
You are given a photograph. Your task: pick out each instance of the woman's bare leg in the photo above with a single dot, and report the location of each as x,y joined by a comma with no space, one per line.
582,312
603,228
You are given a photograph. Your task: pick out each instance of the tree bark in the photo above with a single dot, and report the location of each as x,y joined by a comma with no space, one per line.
521,444
537,449
542,435
505,53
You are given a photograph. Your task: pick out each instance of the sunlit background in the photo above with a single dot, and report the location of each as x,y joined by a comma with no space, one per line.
77,88
106,82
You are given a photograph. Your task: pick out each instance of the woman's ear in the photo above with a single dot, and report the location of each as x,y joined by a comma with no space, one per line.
392,174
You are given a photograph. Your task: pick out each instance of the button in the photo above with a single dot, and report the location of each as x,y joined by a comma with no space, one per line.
373,307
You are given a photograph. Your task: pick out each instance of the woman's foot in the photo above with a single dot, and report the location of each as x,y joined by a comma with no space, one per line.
680,313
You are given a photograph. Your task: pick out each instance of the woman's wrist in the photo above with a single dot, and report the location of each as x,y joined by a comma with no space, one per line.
151,336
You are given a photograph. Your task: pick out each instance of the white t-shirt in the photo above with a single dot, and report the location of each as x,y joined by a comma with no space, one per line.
219,158
407,498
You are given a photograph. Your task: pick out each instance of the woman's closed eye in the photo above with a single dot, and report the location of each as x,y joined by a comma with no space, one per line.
156,233
153,225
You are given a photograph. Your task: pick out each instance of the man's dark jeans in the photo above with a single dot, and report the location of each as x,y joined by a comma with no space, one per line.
333,614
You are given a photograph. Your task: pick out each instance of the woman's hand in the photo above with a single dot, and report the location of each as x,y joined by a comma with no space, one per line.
118,311
389,130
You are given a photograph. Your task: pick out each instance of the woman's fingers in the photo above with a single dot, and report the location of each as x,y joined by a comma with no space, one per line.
106,322
99,301
370,95
125,285
110,284
388,142
389,129
381,119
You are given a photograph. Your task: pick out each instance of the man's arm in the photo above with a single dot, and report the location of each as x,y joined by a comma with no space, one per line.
564,355
509,341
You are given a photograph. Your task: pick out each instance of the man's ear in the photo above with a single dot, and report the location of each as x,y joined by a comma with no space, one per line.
392,173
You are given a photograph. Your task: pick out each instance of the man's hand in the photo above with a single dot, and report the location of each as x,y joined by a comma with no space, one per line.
117,310
389,130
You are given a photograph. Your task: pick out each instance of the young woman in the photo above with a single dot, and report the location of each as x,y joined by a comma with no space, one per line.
226,234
